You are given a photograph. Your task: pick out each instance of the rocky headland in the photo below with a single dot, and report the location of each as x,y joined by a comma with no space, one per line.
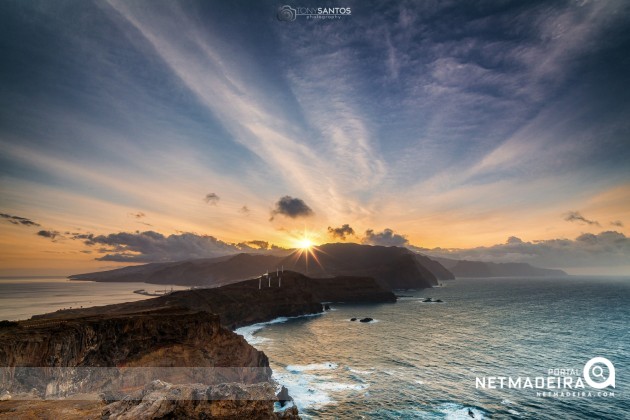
173,356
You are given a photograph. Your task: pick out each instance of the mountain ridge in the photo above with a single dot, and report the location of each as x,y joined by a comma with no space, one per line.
393,267
467,268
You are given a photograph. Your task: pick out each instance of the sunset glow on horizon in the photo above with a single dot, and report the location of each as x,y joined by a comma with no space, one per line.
137,132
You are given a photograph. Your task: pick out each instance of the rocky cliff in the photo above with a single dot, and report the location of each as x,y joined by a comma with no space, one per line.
157,338
113,355
166,401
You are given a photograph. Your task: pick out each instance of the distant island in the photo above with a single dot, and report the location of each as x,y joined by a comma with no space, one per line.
465,268
393,267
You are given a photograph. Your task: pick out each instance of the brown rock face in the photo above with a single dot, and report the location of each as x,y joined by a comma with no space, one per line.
62,357
161,400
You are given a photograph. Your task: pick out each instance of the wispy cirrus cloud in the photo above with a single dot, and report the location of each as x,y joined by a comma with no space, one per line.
419,116
265,128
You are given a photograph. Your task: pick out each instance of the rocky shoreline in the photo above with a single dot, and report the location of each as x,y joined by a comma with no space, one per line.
173,356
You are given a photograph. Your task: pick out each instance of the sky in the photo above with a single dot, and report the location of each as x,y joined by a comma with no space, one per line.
140,131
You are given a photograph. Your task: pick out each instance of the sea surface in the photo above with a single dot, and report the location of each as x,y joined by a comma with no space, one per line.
422,360
21,298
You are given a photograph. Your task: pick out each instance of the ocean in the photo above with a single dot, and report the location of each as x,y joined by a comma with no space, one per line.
423,360
21,298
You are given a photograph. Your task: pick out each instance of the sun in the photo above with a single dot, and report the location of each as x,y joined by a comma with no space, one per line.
304,243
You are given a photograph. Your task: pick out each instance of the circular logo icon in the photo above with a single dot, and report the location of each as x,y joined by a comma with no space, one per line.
286,14
593,369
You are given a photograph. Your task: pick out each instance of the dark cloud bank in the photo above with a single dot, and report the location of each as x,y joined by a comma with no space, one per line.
152,246
605,249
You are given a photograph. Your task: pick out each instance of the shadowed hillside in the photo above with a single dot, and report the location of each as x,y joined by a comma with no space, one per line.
393,267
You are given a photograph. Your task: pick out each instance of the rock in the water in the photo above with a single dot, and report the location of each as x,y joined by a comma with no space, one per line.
427,300
366,320
353,319
327,307
283,396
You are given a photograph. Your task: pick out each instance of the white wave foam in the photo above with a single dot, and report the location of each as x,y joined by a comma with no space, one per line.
453,411
339,386
361,372
303,389
249,332
312,366
316,389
